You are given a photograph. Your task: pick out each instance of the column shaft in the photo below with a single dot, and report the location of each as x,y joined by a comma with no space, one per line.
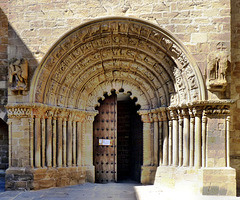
43,142
74,143
147,144
79,145
37,142
204,124
191,156
175,141
31,142
64,142
69,143
228,140
186,141
49,142
198,140
160,142
155,143
60,139
54,142
170,143
165,143
180,141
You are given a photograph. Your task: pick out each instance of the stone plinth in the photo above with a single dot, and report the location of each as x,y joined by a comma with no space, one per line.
148,174
204,181
41,178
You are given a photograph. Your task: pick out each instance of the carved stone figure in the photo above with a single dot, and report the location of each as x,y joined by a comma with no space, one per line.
18,74
217,66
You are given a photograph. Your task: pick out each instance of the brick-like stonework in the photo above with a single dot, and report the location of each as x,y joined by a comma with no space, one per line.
40,33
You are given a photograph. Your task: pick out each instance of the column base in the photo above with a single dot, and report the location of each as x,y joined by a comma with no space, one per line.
42,178
148,174
90,174
204,181
19,178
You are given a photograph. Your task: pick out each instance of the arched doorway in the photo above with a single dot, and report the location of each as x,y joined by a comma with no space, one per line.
117,54
117,140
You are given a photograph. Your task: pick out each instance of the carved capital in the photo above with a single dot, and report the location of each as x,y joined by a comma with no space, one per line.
19,112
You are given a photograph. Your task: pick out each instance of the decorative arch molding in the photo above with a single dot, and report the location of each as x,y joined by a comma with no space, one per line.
117,48
54,131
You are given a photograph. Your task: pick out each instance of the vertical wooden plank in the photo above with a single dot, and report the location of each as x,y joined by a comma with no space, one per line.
105,128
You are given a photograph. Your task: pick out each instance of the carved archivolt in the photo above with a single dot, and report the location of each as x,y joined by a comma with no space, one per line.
109,53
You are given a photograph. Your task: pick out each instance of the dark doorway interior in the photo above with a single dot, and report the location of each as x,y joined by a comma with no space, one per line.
120,127
3,145
129,140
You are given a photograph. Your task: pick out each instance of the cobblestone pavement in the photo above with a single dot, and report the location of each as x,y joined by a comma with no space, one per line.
88,191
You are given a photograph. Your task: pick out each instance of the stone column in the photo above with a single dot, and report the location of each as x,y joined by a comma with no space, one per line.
64,142
83,138
54,141
31,135
185,137
69,142
165,139
198,137
169,139
74,142
174,118
180,122
228,140
155,139
147,150
191,145
79,143
89,147
204,124
60,140
37,141
160,138
21,142
148,170
49,138
43,123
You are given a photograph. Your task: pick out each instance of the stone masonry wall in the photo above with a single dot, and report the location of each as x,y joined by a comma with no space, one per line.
35,27
235,87
200,24
3,58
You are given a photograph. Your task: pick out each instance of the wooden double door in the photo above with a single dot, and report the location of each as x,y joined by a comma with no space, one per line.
117,141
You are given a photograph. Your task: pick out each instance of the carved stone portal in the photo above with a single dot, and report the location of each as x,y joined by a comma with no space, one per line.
18,74
217,66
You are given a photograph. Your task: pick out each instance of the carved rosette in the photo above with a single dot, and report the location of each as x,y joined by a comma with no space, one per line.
117,53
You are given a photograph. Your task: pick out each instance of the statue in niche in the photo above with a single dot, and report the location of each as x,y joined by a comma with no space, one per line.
18,74
217,66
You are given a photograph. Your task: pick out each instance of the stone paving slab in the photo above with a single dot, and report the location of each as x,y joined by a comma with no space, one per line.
154,193
87,191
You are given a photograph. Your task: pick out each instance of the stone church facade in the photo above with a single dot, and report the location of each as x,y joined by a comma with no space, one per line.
178,60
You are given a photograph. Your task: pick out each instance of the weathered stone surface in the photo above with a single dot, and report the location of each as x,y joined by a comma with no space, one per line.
119,54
